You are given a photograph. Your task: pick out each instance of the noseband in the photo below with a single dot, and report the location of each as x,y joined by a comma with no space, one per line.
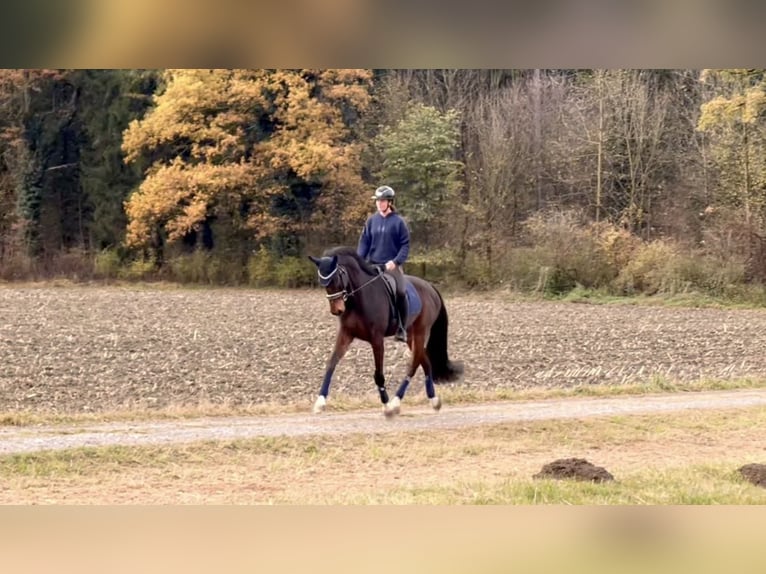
344,293
343,282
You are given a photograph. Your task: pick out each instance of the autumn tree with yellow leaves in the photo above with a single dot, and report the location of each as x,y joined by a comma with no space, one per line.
734,121
246,156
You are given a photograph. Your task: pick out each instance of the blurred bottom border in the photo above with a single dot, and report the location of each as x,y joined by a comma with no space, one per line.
376,539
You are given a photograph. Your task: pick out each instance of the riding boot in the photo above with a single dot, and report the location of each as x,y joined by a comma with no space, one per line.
402,306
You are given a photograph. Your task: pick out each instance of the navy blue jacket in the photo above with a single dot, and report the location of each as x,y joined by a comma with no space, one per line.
384,239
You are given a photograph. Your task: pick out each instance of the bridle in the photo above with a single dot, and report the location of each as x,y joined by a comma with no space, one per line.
344,293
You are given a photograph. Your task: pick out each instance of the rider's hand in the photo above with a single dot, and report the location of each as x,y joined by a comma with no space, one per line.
390,266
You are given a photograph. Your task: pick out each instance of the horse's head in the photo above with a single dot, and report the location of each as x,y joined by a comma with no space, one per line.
334,278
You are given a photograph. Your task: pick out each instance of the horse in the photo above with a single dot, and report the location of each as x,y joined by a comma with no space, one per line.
361,295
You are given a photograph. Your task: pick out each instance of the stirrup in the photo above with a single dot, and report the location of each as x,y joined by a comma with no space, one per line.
401,334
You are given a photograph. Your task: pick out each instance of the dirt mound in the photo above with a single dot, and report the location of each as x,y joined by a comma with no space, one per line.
755,473
576,468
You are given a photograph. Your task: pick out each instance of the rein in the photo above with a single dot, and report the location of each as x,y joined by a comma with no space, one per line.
345,294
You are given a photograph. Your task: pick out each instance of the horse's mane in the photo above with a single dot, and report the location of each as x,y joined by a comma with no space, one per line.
345,252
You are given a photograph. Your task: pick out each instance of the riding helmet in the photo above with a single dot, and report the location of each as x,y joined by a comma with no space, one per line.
384,192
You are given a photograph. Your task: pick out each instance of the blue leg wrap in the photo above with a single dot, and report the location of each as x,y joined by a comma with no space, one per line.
403,388
430,393
326,383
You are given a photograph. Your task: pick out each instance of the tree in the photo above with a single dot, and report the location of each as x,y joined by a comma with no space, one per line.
108,101
734,122
501,140
419,162
616,155
258,154
41,156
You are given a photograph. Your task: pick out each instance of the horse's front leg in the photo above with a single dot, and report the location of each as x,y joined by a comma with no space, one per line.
378,347
342,343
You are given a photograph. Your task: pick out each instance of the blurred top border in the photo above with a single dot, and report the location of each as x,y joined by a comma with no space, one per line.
395,34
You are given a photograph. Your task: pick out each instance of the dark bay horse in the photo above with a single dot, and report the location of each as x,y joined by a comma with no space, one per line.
359,297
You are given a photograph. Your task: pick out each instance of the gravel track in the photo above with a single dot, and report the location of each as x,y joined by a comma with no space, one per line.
31,439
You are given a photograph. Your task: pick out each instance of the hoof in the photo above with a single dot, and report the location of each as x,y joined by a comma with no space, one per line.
320,404
392,408
436,403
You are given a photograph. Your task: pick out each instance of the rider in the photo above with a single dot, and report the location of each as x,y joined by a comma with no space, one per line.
385,240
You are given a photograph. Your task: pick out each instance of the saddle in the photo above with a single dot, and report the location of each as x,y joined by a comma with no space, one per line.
390,284
413,299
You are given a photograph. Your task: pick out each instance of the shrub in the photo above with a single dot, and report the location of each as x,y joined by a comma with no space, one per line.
140,268
529,269
650,271
191,268
435,265
568,252
618,245
18,266
74,263
475,271
107,263
294,272
224,269
710,274
261,268
662,267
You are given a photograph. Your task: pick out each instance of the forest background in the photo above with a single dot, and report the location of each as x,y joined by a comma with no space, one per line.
620,181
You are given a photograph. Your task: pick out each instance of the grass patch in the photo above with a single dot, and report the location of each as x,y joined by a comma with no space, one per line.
654,385
692,300
684,458
695,485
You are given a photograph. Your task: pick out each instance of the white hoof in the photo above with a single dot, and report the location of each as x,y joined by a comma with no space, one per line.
392,408
320,404
436,403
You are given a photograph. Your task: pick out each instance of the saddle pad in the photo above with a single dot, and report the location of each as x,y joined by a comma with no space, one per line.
416,305
413,299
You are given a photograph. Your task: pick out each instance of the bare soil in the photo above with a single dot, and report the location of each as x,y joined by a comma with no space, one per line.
574,468
755,473
104,349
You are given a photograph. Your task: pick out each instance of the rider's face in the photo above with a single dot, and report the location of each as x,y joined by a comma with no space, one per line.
382,205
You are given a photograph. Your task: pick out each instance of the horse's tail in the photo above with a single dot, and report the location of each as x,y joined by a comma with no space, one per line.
442,368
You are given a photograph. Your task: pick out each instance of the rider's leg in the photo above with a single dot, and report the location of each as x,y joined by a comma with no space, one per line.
402,305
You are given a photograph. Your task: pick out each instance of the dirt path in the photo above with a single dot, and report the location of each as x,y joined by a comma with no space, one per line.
37,438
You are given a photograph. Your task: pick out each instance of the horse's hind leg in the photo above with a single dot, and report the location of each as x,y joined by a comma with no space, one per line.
415,343
419,359
435,401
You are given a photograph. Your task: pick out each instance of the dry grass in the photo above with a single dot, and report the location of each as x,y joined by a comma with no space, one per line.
684,458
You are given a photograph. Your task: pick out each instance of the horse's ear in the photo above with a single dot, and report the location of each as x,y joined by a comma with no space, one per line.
314,260
334,261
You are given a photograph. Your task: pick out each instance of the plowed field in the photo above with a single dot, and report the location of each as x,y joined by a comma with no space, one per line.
92,349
